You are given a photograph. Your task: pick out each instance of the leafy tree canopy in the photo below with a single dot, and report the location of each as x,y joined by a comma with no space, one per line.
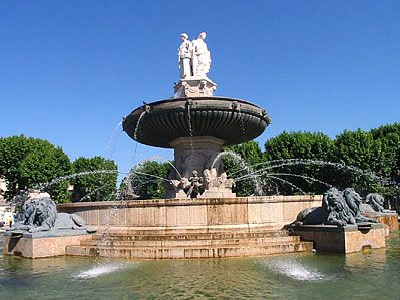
252,159
28,162
100,185
302,146
147,179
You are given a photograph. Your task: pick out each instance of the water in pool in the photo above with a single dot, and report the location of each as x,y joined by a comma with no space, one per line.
374,275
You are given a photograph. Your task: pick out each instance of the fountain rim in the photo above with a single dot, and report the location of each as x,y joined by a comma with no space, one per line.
158,102
249,108
199,98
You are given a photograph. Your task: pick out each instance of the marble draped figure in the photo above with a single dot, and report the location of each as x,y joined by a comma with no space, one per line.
194,57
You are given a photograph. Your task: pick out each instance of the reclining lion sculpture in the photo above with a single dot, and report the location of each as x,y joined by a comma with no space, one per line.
39,213
353,201
333,211
338,208
376,201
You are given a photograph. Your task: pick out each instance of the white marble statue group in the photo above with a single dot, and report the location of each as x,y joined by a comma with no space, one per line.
193,57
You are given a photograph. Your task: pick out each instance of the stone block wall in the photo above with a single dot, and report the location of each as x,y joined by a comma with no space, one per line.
275,211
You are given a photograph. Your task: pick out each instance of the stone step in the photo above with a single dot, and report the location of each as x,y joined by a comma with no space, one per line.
188,243
190,252
185,236
190,230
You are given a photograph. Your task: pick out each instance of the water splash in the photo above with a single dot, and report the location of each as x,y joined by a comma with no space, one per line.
238,179
296,162
296,270
149,175
176,170
267,171
46,185
241,121
257,185
189,103
138,124
100,270
87,196
114,134
168,162
286,182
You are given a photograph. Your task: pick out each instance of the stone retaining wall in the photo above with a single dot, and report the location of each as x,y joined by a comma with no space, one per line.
273,210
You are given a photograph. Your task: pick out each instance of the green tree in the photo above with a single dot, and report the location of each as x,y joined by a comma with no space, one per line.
306,146
12,152
252,160
359,149
388,136
148,179
27,162
98,186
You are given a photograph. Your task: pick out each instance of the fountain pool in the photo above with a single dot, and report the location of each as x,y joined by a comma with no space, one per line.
372,275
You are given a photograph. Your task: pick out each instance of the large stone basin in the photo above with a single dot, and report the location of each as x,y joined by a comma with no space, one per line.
233,121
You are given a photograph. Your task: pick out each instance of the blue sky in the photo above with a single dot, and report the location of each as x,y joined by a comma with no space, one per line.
70,70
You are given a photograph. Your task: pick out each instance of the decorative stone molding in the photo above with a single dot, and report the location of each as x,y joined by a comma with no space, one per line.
194,87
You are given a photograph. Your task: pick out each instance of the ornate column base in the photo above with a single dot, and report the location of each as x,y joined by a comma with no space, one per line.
198,154
194,86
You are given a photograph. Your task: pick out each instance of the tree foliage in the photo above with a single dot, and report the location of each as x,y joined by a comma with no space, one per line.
302,146
252,158
100,185
27,162
147,179
366,160
389,137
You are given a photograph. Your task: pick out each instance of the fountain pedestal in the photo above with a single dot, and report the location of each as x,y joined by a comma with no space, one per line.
196,128
196,153
199,153
194,86
42,244
347,239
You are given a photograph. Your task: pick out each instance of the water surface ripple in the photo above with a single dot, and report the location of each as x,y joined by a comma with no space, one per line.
313,276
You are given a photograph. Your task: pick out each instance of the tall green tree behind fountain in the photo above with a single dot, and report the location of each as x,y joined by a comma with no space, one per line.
26,162
94,187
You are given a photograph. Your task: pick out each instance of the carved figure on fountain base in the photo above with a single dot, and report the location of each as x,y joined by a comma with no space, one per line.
194,86
195,153
210,185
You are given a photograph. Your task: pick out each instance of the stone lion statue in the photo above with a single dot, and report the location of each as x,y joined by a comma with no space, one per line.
39,213
334,211
353,201
376,201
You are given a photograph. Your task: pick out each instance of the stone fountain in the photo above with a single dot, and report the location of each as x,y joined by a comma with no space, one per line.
202,217
196,125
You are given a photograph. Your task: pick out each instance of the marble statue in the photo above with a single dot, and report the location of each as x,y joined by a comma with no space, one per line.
185,53
194,62
201,56
195,185
194,59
